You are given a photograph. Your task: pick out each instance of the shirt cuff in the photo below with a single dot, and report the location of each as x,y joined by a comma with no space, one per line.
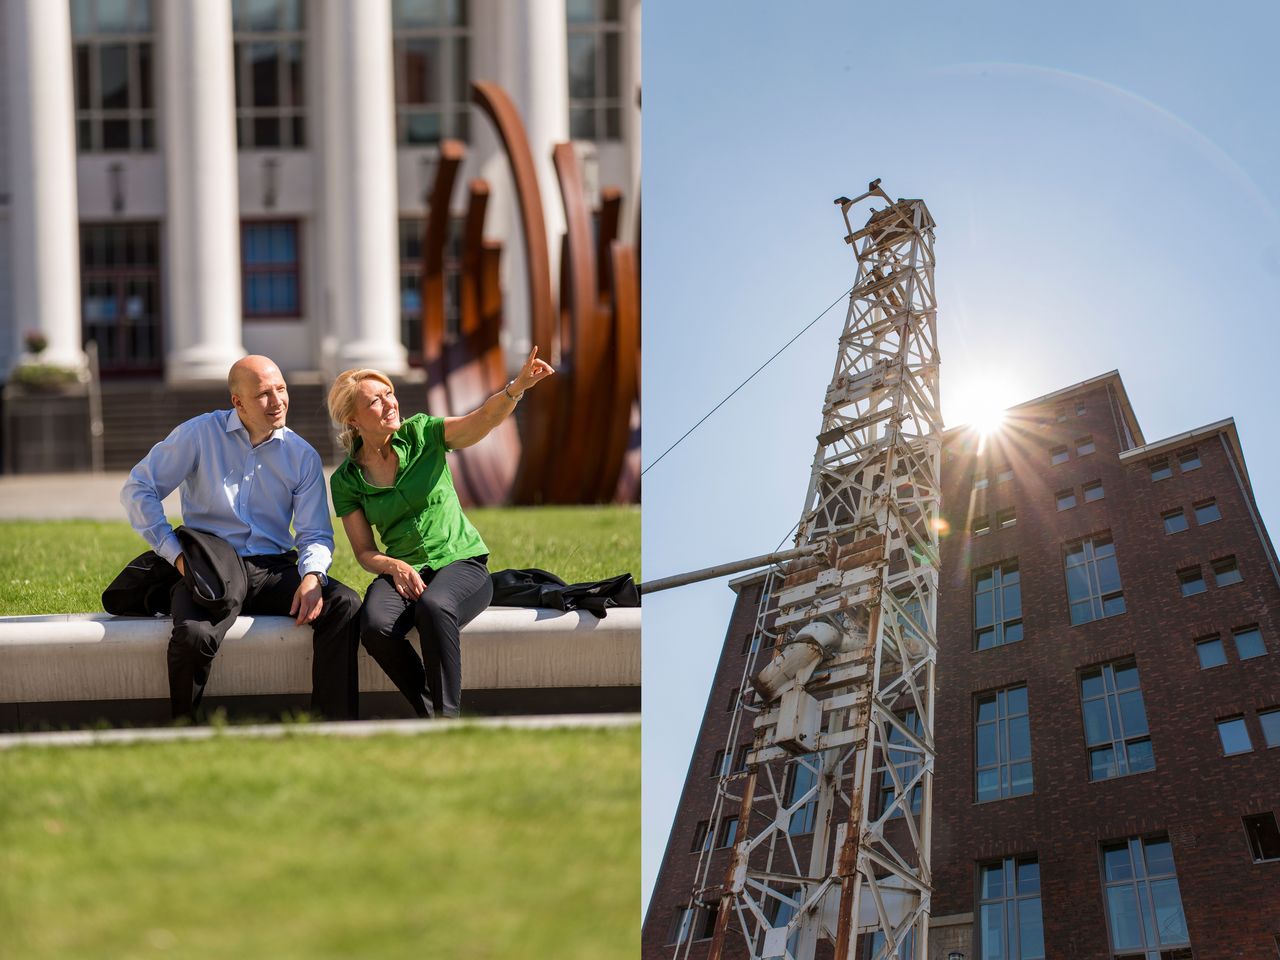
170,548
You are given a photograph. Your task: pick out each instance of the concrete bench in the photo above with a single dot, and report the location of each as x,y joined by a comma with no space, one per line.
81,668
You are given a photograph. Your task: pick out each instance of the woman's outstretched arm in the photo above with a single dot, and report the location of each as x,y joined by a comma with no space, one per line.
475,426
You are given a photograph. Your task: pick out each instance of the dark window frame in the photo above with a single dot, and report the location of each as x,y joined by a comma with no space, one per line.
272,269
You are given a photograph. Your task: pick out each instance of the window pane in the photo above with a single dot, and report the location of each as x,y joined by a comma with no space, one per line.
983,609
1012,601
1192,583
989,784
1160,470
1102,764
1211,653
1126,928
582,66
1030,929
264,66
1028,877
1141,756
1108,575
987,750
1189,461
1226,572
1012,632
113,76
113,16
1077,582
115,134
1171,923
1132,715
1270,727
266,132
1097,728
1234,735
1175,522
1116,862
1207,513
1159,857
991,882
993,932
1092,492
1020,779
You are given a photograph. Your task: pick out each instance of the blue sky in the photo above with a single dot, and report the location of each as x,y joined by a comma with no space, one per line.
1105,181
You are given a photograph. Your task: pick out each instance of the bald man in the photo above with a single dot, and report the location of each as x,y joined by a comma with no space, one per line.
247,478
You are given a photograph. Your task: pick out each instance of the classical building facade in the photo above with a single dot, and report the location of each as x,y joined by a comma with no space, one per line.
182,181
1108,701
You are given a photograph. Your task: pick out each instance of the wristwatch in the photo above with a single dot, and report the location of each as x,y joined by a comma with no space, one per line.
323,578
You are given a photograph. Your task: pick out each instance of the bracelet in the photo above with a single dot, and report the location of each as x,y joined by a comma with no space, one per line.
507,392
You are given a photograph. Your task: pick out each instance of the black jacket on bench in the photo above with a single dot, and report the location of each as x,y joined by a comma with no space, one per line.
215,576
537,588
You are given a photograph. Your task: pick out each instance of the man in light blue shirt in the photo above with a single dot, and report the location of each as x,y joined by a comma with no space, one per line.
246,477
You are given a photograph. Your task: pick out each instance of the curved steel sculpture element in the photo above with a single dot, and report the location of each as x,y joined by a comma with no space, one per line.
535,481
616,437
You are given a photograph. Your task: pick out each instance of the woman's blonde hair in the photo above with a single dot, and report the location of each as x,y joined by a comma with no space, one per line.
342,401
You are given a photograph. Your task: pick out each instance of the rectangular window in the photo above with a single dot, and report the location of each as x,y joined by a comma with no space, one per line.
269,54
740,758
1010,926
270,269
802,776
113,75
1080,409
997,605
701,834
1066,499
718,768
707,928
903,761
1144,905
980,481
1192,581
1003,739
595,69
1188,460
1207,511
1084,446
1175,521
1093,580
678,930
1061,414
1160,469
1093,491
733,701
1264,837
1234,736
120,301
1211,652
981,526
1270,720
1249,642
1059,455
1004,475
1115,721
728,832
1225,572
430,60
1007,518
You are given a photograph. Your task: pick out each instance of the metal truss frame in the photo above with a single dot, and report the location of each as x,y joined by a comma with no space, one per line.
852,628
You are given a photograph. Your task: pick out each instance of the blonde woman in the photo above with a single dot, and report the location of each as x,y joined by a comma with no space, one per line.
431,568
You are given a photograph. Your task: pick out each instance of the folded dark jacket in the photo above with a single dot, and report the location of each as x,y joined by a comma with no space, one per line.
537,588
215,575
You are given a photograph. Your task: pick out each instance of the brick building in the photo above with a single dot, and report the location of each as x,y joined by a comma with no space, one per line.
1108,712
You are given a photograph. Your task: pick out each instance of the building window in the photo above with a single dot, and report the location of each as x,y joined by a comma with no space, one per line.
1093,491
411,230
595,69
114,75
1270,720
1115,721
1175,521
1211,652
1093,580
1189,460
802,775
270,55
1007,518
740,758
733,701
1066,499
678,930
1003,739
981,526
1144,906
1004,475
997,605
701,834
718,765
120,295
1234,736
728,832
1207,512
875,944
1249,642
1009,923
1192,581
904,759
1059,455
1160,469
270,269
431,50
707,928
1084,446
1060,414
1264,837
981,481
1225,572
1080,409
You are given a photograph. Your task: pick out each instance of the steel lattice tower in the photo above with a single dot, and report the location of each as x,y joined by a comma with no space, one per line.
848,694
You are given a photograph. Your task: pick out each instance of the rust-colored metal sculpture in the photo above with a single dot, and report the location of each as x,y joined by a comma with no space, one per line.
578,433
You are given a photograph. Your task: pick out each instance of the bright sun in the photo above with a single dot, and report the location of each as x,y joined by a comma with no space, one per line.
981,406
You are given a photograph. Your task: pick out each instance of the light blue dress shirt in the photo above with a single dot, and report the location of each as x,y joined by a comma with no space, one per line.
244,494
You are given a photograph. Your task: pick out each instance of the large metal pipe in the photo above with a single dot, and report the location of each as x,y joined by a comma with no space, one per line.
724,569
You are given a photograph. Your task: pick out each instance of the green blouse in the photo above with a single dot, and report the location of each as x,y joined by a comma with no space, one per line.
418,519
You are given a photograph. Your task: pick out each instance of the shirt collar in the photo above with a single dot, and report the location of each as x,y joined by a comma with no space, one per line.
234,423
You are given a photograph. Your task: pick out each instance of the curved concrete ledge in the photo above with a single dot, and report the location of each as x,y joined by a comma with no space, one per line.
96,657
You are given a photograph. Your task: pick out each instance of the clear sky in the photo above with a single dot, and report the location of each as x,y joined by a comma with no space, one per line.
1105,178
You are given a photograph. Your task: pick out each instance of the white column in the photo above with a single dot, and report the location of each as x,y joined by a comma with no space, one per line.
44,239
631,111
361,254
201,192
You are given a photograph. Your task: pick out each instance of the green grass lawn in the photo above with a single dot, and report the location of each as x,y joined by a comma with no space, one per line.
468,844
62,566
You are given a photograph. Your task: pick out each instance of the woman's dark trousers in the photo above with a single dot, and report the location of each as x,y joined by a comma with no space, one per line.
454,596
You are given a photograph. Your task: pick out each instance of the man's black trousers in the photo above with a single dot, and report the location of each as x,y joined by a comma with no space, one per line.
271,583
455,595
